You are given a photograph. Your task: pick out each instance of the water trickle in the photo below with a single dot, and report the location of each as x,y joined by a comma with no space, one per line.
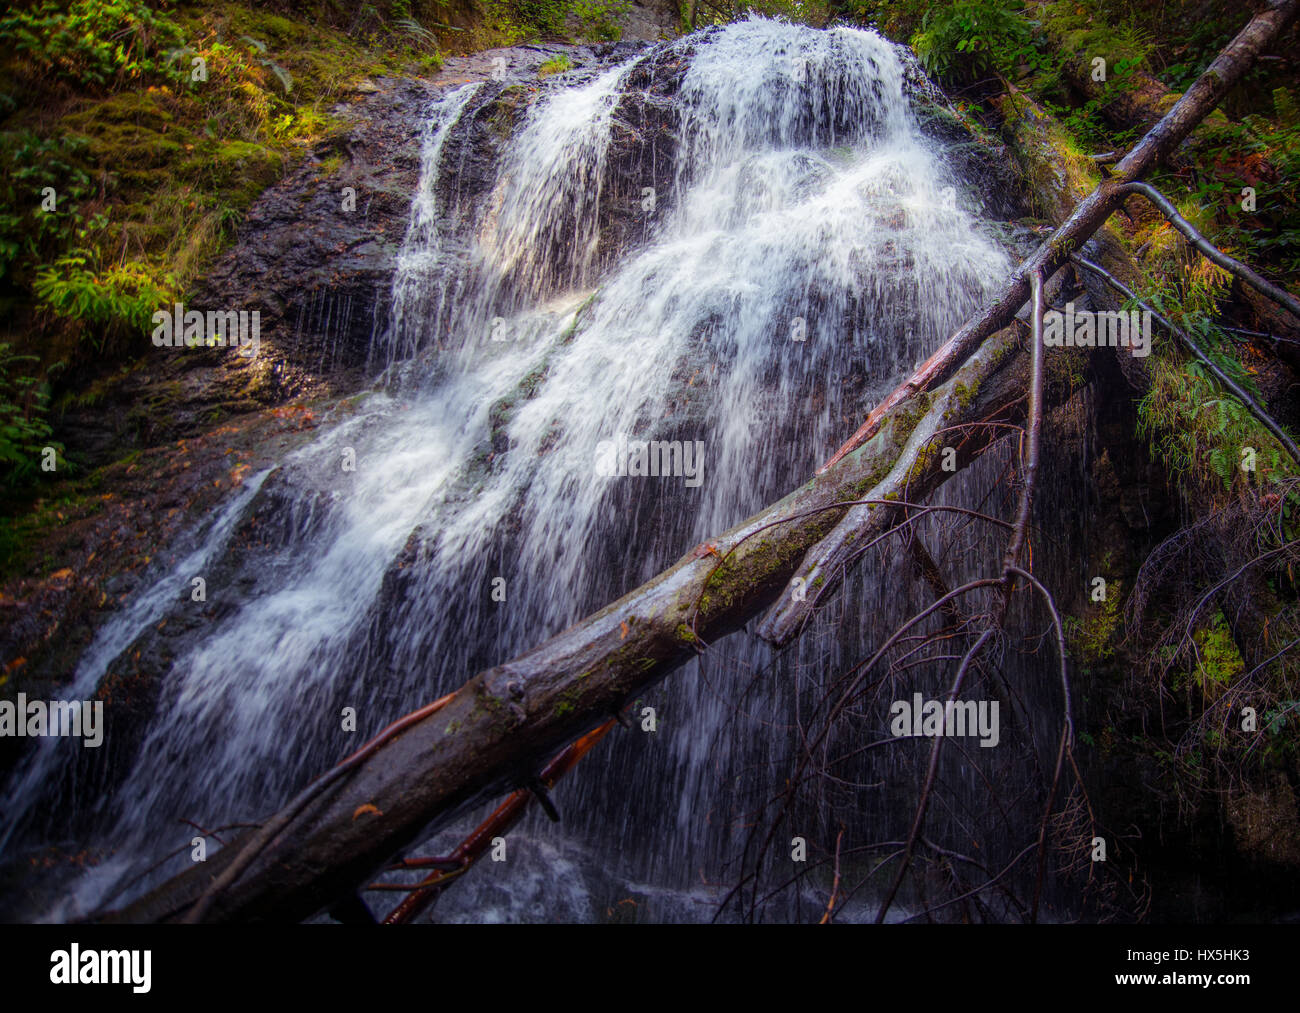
114,637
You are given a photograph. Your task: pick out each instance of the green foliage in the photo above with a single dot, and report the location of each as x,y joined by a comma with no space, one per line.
93,43
24,430
598,18
121,298
970,39
104,92
418,33
1286,109
546,16
1275,719
1264,153
896,19
1175,41
595,20
555,65
1199,431
1201,434
28,165
1092,640
422,38
260,48
1218,660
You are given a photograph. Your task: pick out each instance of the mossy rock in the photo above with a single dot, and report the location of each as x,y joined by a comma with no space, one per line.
142,109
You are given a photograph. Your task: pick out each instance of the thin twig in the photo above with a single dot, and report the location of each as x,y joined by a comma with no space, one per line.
1247,401
1212,252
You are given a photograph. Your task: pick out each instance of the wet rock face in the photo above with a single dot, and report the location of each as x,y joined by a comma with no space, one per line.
643,133
643,152
314,259
984,164
315,255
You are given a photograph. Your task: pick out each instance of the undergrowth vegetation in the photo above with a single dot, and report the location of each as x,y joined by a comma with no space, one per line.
525,20
1204,628
134,134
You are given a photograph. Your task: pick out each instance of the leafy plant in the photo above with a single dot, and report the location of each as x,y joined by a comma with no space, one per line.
1200,431
599,18
521,19
969,39
122,297
93,43
269,64
1092,638
1218,660
24,429
555,65
28,166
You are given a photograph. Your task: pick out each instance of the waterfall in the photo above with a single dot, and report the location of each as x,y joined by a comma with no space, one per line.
798,250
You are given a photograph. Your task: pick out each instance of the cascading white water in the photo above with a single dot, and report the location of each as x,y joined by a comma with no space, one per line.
115,636
420,290
807,254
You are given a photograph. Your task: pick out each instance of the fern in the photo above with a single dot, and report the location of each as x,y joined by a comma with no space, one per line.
92,43
971,38
123,297
24,429
269,64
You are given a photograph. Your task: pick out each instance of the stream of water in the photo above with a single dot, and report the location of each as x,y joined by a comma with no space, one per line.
806,254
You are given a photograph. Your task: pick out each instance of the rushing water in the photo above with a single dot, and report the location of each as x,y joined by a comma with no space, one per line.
804,255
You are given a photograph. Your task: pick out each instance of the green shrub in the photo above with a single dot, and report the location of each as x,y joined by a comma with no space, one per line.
1199,432
122,298
969,39
93,43
555,65
29,164
24,430
1218,662
599,18
549,19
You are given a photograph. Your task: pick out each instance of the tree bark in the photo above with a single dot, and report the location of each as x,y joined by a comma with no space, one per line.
498,729
1139,104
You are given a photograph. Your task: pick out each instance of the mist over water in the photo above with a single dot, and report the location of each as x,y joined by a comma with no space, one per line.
805,256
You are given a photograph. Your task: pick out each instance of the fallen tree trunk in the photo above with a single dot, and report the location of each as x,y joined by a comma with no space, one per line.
1057,175
1036,140
825,567
1138,101
496,731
